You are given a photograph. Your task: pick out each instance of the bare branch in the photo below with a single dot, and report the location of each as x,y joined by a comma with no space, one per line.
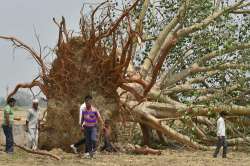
241,12
93,18
37,57
63,24
117,23
29,86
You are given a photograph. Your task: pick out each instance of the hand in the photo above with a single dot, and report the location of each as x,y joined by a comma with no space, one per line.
83,124
82,129
26,129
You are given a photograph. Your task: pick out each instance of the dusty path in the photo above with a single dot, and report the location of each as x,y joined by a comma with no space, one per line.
168,158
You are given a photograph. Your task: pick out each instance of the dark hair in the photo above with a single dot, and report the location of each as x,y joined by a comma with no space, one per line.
223,113
107,122
11,100
88,97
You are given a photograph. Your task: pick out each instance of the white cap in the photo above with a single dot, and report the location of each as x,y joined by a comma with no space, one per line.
35,101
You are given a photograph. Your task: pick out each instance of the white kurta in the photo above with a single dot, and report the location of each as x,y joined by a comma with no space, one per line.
82,108
221,131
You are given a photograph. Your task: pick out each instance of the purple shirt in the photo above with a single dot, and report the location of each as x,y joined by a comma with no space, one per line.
90,117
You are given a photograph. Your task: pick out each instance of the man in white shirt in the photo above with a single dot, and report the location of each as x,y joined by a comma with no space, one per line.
82,141
32,125
221,134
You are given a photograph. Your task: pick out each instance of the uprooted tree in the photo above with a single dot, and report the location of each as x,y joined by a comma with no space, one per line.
168,65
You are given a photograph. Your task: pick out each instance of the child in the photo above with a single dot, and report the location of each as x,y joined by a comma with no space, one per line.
221,133
107,133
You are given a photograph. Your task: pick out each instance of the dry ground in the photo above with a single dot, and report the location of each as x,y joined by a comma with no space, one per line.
168,158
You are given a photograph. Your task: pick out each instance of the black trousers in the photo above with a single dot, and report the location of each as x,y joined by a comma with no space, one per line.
221,142
80,142
107,145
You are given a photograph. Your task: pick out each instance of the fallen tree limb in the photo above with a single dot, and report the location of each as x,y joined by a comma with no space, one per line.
146,150
38,152
168,131
238,141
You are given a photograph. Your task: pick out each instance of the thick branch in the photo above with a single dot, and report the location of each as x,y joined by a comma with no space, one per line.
168,131
241,12
236,47
168,45
193,69
139,25
230,109
162,37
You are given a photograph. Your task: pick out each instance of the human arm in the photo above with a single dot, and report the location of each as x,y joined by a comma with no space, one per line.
39,121
100,119
82,107
26,126
7,116
27,121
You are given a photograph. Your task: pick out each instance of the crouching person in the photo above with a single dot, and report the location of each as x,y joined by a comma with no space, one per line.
32,125
107,134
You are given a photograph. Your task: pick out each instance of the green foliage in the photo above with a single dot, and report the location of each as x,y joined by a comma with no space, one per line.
225,32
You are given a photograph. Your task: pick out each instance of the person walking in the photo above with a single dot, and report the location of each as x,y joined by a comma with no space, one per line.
75,146
221,134
8,121
32,125
90,118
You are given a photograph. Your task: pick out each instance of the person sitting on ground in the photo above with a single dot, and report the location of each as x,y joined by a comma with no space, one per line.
106,134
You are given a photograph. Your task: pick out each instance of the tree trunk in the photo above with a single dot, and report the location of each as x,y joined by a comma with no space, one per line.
61,128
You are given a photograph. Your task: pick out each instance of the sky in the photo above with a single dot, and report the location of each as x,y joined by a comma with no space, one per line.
18,18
